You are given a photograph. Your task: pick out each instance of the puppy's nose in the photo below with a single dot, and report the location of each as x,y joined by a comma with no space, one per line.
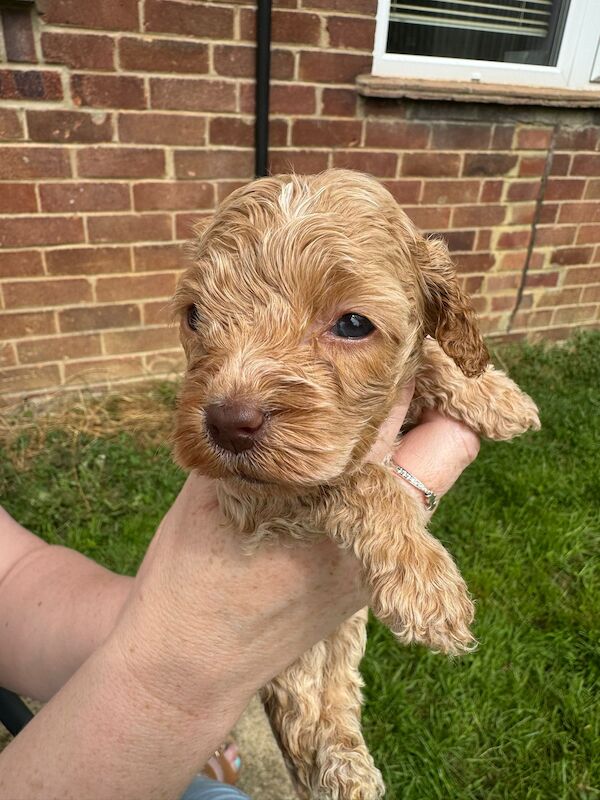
234,426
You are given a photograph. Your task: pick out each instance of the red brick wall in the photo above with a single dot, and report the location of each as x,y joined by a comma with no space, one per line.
122,121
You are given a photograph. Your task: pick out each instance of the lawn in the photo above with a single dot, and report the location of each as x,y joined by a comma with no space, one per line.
519,718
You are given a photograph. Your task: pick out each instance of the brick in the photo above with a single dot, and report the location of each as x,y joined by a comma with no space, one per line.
531,166
478,216
474,262
510,240
301,161
548,213
399,135
59,348
123,315
224,189
186,225
88,372
521,214
68,126
156,313
457,136
30,323
188,94
489,164
158,257
140,340
339,102
459,241
581,275
356,33
502,137
558,297
163,55
502,283
532,319
17,198
537,279
491,191
295,27
587,234
593,189
367,7
503,303
135,287
108,91
10,125
121,162
432,218
383,165
239,61
30,85
238,132
192,164
512,260
162,129
561,164
28,379
79,50
31,294
84,197
553,235
198,20
20,264
572,255
578,314
523,190
449,192
564,189
580,212
32,231
19,43
484,240
577,138
129,228
534,138
118,15
322,67
326,133
294,99
431,164
591,294
88,260
8,356
172,196
586,164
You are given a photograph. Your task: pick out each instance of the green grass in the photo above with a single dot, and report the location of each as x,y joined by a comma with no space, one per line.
520,718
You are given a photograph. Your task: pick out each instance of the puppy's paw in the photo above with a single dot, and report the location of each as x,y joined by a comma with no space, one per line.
427,602
345,774
506,411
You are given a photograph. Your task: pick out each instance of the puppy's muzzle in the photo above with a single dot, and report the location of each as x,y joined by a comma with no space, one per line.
234,426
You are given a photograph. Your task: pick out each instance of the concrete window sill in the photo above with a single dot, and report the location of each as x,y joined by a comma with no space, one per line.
462,92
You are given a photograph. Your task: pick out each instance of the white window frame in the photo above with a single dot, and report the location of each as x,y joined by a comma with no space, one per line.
578,65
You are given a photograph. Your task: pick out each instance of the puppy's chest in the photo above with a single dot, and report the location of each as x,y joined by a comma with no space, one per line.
258,518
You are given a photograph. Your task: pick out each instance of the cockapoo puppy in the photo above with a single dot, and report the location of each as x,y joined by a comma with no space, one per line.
311,302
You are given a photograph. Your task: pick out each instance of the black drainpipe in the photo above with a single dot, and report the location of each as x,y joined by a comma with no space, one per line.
263,69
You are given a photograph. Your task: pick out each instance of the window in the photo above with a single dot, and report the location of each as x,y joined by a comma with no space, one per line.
551,43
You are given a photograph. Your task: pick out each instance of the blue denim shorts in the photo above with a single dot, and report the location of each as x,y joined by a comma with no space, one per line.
202,788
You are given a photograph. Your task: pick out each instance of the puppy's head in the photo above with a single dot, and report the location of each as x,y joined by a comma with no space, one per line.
301,319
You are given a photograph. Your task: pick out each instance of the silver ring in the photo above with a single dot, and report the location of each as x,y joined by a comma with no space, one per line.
430,498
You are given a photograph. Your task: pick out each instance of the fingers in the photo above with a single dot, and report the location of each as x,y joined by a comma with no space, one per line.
436,452
390,428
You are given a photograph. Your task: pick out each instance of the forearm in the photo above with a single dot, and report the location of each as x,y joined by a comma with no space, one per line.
56,608
104,735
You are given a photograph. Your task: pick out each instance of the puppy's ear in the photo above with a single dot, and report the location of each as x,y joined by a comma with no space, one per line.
449,315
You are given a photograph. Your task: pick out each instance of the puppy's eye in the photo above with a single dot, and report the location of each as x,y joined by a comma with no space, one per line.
353,326
193,317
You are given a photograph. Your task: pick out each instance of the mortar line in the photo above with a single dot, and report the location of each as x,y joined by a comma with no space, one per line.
539,203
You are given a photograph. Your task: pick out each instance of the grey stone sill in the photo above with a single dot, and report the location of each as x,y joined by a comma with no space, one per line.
463,92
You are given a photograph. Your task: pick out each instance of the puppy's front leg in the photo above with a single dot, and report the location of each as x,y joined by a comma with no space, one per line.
491,404
314,708
416,588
